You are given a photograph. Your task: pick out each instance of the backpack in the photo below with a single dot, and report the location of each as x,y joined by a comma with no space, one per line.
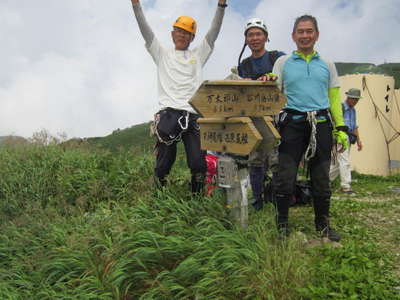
247,67
302,193
211,174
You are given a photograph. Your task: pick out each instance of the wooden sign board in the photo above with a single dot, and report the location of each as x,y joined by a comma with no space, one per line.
234,135
268,132
237,98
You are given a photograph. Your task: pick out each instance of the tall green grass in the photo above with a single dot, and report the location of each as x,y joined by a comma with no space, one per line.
83,224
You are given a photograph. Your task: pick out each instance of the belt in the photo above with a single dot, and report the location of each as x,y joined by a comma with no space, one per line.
321,112
321,115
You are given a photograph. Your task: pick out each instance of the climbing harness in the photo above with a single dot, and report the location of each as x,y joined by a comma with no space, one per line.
312,145
174,124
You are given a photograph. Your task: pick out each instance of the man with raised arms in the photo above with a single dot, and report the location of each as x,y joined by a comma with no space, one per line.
179,73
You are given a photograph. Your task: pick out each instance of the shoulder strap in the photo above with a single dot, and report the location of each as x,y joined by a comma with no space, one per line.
273,56
246,68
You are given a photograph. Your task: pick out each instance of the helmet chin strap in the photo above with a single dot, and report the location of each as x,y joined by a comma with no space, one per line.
241,54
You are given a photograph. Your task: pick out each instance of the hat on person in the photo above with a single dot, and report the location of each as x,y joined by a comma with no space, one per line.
353,93
257,23
186,23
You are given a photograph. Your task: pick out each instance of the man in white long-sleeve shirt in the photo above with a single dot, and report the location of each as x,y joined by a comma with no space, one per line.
179,73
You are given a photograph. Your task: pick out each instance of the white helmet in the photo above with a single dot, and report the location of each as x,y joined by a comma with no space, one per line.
255,22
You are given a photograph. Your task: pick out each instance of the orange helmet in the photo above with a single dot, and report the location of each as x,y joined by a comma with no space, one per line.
186,23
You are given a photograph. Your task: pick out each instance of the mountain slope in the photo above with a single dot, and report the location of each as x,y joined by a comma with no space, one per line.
391,69
136,136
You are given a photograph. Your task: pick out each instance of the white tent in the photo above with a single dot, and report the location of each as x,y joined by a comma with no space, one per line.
378,117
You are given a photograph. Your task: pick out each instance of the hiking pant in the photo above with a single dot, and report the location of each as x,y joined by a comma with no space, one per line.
261,160
259,164
295,136
257,178
341,165
195,157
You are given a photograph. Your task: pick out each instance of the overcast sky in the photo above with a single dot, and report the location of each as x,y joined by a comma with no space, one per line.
80,66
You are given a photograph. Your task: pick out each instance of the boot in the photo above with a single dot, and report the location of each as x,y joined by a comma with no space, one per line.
325,230
282,218
159,182
258,202
321,209
283,227
197,183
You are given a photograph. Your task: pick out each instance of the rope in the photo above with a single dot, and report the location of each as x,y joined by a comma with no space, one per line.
184,127
397,134
312,145
379,114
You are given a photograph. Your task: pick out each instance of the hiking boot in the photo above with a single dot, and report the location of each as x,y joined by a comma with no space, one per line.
347,190
159,182
197,183
258,204
283,231
282,217
329,233
282,224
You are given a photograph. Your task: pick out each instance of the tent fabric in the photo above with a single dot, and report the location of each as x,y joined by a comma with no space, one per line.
378,118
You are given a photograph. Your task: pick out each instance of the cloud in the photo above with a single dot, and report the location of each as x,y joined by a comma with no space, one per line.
350,31
80,66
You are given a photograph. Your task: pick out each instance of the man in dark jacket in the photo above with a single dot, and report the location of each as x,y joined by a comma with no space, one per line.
258,66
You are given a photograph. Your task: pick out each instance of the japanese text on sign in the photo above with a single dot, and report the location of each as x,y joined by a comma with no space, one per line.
241,138
235,98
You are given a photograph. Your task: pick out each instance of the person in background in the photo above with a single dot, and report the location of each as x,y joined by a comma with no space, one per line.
342,162
179,73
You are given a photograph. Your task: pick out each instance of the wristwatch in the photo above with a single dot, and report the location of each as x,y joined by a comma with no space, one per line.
222,5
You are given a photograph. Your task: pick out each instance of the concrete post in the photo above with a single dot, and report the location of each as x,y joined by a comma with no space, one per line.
235,182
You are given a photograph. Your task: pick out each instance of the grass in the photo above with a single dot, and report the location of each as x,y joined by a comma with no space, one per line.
78,223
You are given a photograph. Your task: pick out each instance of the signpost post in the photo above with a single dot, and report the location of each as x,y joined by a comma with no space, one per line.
236,120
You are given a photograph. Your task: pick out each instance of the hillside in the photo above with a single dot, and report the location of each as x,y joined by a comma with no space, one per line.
12,139
392,69
136,136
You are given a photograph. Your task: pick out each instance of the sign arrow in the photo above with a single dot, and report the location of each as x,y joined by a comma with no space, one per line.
237,98
234,135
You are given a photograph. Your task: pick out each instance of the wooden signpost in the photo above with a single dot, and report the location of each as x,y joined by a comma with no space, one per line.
237,98
233,135
236,120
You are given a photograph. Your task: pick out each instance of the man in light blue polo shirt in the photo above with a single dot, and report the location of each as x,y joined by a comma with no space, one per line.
311,86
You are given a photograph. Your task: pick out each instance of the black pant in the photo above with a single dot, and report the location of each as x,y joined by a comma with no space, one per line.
195,157
257,178
295,136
